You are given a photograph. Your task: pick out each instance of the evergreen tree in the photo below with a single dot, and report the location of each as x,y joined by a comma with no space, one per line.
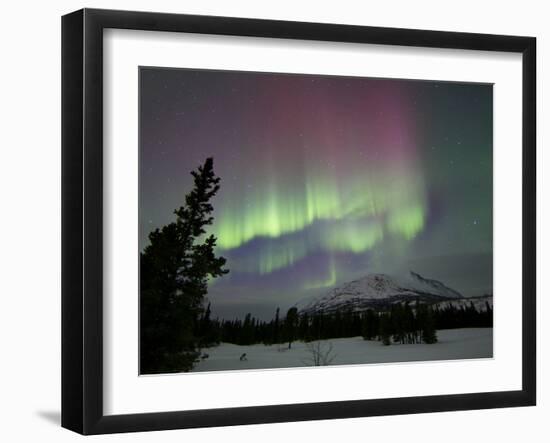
246,336
385,329
408,323
397,318
208,330
429,335
369,325
174,272
303,329
291,324
276,327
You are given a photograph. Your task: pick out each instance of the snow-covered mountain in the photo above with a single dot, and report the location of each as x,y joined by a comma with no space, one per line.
379,291
425,285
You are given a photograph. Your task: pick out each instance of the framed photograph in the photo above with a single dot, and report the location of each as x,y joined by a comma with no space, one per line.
269,221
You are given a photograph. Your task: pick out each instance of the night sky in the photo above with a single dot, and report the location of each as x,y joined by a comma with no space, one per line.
324,179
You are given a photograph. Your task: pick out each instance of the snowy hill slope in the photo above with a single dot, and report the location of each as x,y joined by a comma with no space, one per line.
426,285
378,291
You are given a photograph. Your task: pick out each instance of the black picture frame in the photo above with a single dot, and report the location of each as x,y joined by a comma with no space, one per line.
82,218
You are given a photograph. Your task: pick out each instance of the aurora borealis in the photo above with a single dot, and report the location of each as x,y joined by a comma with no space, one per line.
324,178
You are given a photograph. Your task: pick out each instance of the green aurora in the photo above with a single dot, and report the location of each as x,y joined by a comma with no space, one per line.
324,179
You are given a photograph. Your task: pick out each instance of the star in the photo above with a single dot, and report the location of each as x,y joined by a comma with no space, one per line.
311,168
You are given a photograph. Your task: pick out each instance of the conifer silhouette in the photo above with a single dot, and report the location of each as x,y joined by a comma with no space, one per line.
174,272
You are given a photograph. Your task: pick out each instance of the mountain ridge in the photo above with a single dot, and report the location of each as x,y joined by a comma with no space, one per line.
379,291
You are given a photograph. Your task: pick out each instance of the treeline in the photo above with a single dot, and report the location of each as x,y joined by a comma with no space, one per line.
403,323
452,317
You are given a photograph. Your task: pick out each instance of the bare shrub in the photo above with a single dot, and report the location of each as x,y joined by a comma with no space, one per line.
320,353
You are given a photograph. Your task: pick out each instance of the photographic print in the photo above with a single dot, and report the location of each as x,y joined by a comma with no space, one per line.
297,220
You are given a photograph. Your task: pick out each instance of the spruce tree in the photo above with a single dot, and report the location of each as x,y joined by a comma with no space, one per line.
369,325
174,272
291,324
276,337
429,335
385,329
303,332
207,329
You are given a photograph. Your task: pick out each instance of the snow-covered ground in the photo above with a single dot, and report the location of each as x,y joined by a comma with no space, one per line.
452,344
